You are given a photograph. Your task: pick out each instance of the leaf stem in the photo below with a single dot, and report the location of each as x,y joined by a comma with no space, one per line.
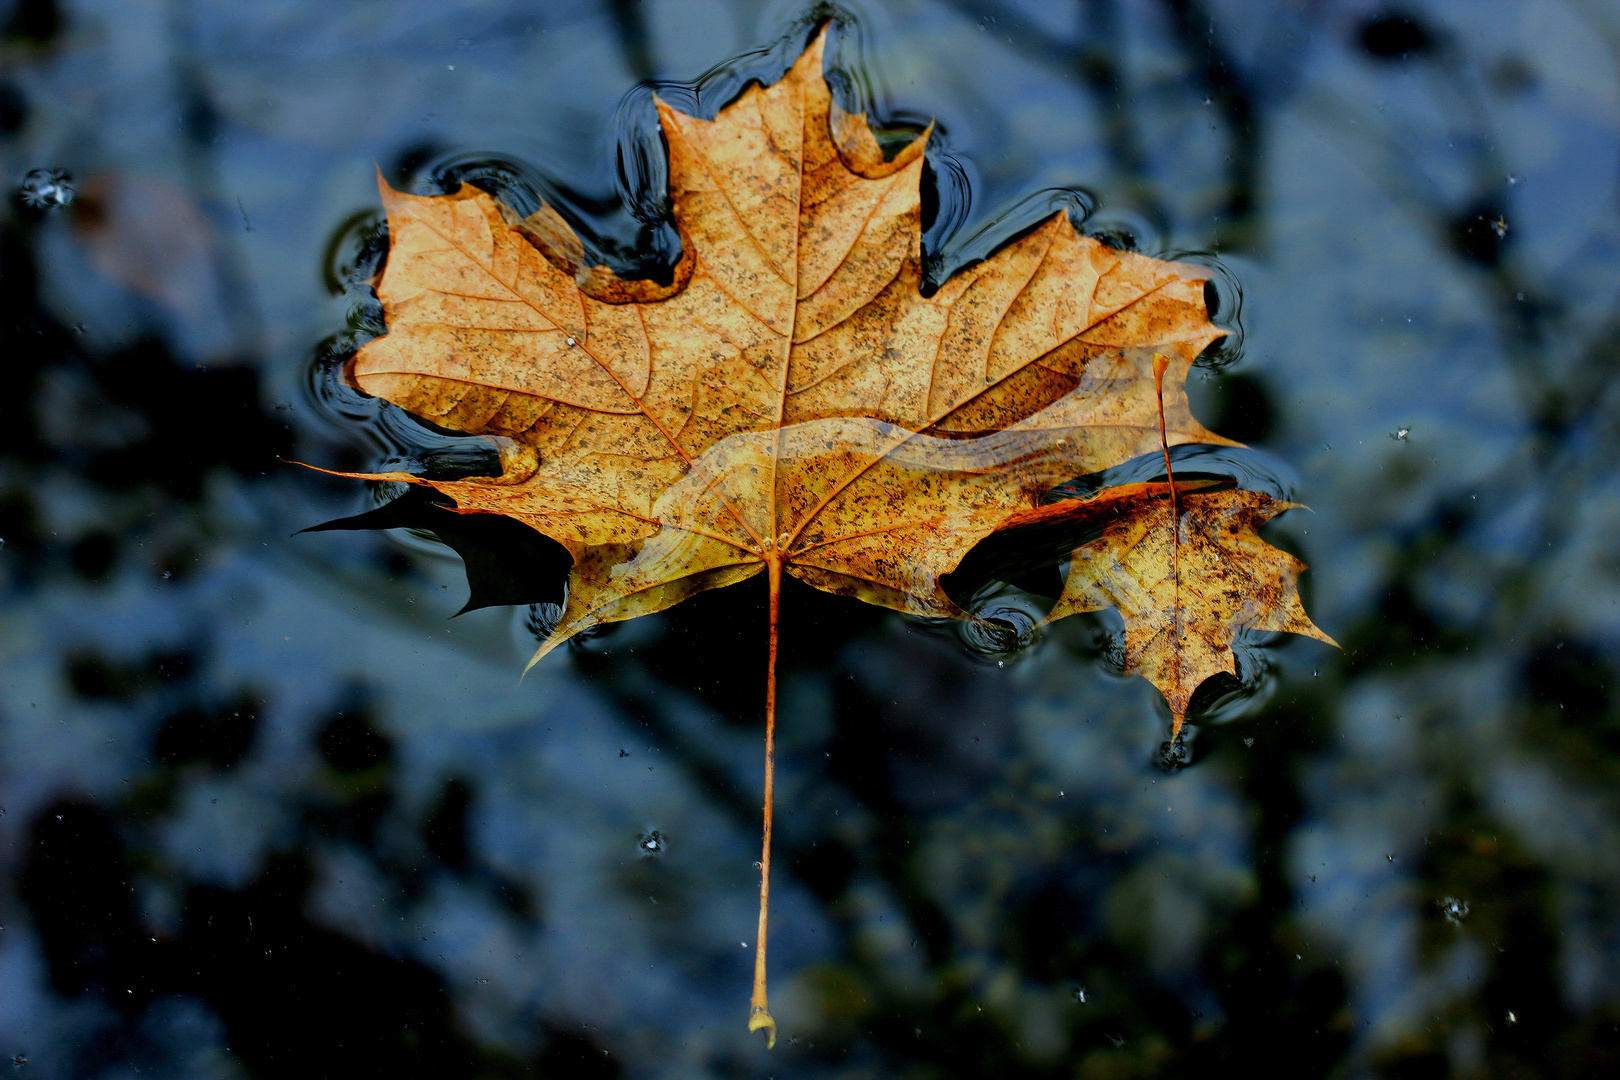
759,1015
1160,364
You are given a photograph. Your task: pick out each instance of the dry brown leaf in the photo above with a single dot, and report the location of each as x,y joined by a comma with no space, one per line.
1187,573
791,402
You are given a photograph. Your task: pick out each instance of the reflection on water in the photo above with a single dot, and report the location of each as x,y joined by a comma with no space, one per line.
268,812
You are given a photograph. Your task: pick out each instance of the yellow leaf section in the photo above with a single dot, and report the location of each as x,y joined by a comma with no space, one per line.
1179,631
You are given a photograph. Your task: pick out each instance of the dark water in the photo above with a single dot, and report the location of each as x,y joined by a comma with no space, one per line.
267,812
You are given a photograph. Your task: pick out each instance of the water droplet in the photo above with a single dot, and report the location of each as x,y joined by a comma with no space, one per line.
1453,909
651,843
47,189
572,343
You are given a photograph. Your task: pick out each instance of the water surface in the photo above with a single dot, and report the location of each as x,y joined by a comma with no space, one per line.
268,811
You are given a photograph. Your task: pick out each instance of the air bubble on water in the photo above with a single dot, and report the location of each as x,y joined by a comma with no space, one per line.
1079,995
651,843
1390,855
541,619
758,865
1453,909
1006,622
1174,755
1248,741
47,189
1400,434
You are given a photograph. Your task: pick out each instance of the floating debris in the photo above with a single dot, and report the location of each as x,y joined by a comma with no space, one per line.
47,189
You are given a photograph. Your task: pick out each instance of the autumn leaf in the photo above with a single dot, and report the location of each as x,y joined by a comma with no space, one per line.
1186,569
792,401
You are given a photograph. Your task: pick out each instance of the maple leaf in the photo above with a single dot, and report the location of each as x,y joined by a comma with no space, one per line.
1187,570
792,401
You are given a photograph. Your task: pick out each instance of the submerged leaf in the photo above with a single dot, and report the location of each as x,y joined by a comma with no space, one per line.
1187,574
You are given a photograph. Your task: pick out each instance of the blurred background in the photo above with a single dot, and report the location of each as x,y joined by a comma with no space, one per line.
266,810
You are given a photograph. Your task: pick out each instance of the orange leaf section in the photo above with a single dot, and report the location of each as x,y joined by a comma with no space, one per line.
791,398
